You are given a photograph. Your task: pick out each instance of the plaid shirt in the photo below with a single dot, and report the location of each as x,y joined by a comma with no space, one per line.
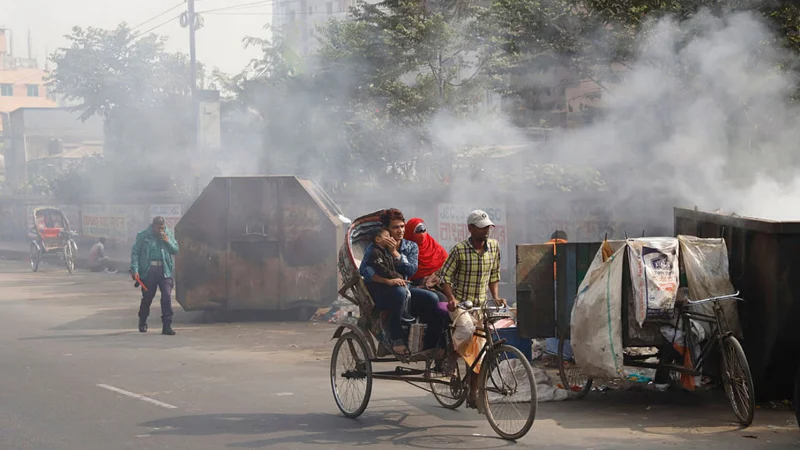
469,273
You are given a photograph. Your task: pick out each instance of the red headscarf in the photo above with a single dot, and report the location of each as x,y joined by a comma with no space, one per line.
431,254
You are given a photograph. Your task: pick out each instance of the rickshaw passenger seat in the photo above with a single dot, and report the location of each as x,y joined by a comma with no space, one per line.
50,232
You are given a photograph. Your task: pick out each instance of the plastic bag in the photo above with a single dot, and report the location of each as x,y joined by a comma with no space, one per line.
464,328
654,271
596,324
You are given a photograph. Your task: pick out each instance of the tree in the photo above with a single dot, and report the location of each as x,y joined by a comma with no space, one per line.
140,90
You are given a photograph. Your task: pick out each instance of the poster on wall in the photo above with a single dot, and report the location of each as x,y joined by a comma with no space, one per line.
171,213
452,227
110,221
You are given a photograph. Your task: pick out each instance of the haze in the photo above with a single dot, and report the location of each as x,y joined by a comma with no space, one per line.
219,43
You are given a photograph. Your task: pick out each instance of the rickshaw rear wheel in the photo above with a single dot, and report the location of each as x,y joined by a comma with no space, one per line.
737,380
36,257
453,394
572,377
351,375
495,382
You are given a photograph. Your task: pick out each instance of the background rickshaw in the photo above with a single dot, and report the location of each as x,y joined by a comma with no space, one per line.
506,385
52,239
545,306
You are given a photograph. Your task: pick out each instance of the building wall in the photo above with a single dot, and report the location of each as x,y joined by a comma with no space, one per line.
300,18
22,83
32,129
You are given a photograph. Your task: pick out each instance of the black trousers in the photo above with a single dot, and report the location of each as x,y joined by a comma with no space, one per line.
155,280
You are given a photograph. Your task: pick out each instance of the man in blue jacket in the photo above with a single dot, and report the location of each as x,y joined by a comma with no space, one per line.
152,263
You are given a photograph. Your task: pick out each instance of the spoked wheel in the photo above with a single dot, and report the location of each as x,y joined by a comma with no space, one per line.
737,380
36,258
508,392
572,377
351,375
69,257
451,395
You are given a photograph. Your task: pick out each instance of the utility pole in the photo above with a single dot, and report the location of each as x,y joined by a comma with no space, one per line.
192,53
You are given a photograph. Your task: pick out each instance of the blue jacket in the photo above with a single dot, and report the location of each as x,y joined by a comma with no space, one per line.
406,266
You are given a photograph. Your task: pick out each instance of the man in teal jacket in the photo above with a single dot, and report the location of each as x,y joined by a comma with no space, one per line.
152,263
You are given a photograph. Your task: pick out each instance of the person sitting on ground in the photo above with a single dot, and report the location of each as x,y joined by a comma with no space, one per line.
431,256
98,261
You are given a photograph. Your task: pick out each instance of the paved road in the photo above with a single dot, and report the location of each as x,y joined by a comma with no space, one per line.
75,374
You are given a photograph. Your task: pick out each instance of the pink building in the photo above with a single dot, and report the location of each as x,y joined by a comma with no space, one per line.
22,82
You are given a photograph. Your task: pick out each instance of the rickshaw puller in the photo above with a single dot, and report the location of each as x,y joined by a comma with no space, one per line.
472,266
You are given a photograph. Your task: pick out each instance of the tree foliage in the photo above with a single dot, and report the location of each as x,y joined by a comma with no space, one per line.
140,90
363,104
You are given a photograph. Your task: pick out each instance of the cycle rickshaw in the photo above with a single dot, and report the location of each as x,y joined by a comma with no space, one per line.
720,354
52,239
506,385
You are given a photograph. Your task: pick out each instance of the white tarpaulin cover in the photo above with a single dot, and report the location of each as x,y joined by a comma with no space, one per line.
596,323
654,271
705,263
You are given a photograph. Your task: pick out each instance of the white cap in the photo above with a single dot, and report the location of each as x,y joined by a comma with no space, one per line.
480,219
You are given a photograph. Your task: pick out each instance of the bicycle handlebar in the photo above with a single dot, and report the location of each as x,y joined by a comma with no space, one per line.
734,296
469,307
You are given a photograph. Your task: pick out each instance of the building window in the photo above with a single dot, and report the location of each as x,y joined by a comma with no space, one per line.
6,90
329,8
33,90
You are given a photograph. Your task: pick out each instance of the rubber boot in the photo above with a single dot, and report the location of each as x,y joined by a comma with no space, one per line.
167,329
142,325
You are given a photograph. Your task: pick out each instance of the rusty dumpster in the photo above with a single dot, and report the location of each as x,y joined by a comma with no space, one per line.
765,266
260,243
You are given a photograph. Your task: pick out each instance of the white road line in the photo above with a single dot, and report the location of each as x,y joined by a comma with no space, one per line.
137,396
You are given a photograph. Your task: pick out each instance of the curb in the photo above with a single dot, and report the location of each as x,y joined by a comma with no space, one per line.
82,262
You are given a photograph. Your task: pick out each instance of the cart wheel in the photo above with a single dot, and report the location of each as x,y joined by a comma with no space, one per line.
572,377
737,380
36,258
69,258
797,396
451,395
351,375
507,390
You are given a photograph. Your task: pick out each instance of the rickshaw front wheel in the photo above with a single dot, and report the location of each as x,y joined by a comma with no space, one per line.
507,390
737,380
351,375
36,257
69,257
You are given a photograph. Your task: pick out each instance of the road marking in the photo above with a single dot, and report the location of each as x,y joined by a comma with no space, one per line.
284,394
137,396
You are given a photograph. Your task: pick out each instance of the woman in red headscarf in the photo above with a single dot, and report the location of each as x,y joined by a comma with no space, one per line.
431,254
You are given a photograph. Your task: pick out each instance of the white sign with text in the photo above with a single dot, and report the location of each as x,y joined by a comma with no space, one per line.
452,227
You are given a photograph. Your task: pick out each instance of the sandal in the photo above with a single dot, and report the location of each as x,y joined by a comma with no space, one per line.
401,350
